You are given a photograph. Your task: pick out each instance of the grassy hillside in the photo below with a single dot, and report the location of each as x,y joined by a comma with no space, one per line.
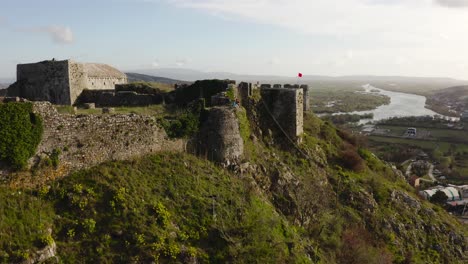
327,201
137,77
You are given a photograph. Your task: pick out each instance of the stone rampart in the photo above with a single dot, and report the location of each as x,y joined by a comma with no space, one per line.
219,137
112,98
87,140
43,81
284,106
280,107
77,79
61,82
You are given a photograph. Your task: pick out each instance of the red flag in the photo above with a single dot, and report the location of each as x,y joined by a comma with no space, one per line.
299,75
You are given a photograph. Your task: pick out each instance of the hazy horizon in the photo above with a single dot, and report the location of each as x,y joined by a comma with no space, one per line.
424,38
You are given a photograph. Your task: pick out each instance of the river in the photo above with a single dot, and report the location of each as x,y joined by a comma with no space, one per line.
401,105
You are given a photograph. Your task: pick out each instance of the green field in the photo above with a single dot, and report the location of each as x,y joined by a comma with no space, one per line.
422,144
331,97
452,156
439,134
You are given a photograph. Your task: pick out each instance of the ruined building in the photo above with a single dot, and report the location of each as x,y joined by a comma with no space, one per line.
284,106
61,82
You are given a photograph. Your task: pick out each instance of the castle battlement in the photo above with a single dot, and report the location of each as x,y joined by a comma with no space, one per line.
285,104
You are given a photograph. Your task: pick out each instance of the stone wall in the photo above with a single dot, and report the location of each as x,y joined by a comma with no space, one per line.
305,89
111,98
61,82
220,138
284,106
95,83
77,79
87,140
43,81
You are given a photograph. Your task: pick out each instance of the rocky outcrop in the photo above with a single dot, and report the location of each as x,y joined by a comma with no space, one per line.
418,226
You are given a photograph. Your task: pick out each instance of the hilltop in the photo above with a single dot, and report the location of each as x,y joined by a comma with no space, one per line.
451,101
136,77
319,198
340,205
417,85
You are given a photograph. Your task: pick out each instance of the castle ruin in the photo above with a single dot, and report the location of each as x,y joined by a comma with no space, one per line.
284,104
61,82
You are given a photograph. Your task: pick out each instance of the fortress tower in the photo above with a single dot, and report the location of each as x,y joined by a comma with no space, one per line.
61,82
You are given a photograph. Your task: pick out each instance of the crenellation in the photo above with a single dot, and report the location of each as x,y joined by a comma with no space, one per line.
285,103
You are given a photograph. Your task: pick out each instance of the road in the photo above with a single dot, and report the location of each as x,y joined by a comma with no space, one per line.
408,170
431,169
429,173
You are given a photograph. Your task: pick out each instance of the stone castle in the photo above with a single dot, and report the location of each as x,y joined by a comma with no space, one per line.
284,105
278,111
61,82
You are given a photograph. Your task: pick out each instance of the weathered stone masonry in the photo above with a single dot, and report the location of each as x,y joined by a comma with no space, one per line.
87,140
282,106
61,82
285,105
219,137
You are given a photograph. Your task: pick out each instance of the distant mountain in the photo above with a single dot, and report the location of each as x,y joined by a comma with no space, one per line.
3,86
390,81
137,77
193,75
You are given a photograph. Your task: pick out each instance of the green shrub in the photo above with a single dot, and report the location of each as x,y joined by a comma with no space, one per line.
230,94
439,198
351,160
54,157
20,133
186,123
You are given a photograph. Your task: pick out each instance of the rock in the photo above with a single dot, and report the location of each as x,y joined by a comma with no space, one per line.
46,253
244,167
406,199
108,110
89,106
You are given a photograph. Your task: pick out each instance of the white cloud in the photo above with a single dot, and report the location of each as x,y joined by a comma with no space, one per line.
155,64
274,61
183,62
377,33
453,3
337,17
60,34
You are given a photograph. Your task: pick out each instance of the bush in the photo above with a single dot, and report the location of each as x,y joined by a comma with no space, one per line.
185,124
439,198
352,160
55,157
20,133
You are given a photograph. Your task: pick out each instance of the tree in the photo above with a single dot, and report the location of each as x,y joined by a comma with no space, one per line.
439,198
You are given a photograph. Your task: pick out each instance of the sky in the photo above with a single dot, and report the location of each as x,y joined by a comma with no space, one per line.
270,37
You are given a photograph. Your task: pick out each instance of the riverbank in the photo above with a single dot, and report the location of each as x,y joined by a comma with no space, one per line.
401,105
329,98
